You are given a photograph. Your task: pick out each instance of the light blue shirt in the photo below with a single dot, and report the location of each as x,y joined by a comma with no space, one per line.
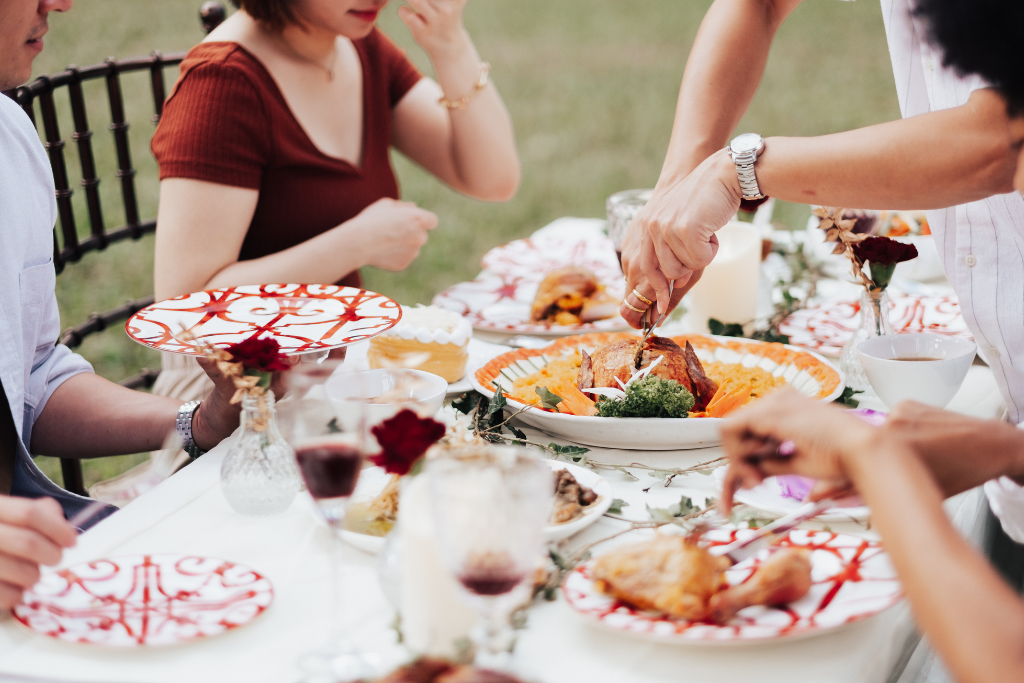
32,365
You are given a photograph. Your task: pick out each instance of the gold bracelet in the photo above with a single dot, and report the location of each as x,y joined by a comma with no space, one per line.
485,70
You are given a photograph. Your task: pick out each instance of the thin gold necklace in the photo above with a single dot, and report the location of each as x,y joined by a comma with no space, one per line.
329,70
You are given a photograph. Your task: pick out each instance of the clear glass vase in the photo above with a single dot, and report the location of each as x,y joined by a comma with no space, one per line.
874,322
259,476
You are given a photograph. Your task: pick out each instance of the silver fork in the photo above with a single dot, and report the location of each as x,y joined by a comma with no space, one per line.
638,357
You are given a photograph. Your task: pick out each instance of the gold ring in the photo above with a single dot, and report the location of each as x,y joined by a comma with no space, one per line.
641,297
632,307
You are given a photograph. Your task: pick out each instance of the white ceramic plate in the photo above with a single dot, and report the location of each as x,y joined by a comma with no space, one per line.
373,479
499,298
768,497
302,318
666,434
144,600
827,326
852,579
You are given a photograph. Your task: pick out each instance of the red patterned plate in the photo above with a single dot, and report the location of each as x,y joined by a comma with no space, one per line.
502,303
853,579
500,297
826,327
145,600
301,318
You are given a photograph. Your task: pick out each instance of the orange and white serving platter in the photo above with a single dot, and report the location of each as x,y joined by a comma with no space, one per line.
852,577
826,327
140,600
807,372
302,318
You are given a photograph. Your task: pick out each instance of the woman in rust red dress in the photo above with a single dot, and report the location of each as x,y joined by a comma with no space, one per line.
274,154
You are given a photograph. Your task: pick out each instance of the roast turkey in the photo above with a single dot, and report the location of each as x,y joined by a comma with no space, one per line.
616,360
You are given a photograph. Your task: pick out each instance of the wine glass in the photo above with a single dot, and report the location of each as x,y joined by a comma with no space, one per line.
622,208
490,506
329,452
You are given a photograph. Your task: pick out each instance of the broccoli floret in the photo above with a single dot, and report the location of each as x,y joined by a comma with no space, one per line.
650,397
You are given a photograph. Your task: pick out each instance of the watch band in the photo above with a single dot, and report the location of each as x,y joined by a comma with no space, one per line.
745,172
183,426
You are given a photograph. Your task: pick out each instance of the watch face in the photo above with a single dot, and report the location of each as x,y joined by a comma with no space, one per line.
746,143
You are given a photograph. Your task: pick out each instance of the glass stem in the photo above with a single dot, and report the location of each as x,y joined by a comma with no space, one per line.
337,632
493,638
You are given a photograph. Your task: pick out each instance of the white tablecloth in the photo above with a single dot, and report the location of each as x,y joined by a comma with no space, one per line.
188,514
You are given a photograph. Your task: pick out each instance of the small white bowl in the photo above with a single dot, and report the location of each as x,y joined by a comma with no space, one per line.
421,392
933,382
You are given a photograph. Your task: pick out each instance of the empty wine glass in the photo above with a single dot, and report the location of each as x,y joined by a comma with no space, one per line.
329,452
490,507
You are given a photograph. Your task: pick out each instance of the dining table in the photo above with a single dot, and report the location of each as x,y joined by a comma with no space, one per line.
188,514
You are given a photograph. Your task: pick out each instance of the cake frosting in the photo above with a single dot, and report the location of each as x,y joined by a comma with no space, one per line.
427,338
432,325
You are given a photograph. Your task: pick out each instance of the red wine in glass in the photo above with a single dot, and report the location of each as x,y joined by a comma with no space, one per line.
329,468
490,583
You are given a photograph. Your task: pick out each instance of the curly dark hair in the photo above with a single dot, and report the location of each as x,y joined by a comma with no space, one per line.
983,37
276,13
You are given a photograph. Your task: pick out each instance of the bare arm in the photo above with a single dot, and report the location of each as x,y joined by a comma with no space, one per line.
88,417
899,164
472,149
201,227
723,71
974,620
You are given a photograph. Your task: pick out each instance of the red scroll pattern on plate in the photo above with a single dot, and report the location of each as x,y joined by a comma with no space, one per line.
302,318
852,580
145,600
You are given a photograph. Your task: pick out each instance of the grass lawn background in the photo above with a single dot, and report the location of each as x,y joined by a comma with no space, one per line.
591,85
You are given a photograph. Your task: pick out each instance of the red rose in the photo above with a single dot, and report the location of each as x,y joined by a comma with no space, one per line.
882,251
403,440
259,354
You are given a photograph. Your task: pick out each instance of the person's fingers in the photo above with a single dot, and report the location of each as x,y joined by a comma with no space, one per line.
830,489
655,277
683,289
41,517
29,545
633,317
10,596
424,8
18,572
413,20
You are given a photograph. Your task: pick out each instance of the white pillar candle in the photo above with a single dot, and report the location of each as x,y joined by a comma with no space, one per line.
434,616
728,289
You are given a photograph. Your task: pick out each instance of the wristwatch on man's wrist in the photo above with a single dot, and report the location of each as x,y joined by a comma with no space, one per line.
744,150
183,425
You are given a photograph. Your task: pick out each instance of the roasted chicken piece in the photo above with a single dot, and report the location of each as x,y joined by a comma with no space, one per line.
564,296
783,578
570,498
616,361
669,574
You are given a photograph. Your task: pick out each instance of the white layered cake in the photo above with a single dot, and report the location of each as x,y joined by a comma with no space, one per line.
428,338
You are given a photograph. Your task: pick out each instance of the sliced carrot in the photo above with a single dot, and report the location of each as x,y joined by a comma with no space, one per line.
575,402
721,405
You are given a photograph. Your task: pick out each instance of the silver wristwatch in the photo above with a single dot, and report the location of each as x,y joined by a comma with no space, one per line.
744,150
183,425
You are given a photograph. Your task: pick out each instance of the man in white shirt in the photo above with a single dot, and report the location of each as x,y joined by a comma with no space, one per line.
50,402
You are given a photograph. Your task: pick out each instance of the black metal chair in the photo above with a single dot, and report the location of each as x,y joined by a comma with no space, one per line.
68,247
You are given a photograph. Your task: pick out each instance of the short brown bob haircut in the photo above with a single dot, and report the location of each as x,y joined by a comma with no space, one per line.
276,13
